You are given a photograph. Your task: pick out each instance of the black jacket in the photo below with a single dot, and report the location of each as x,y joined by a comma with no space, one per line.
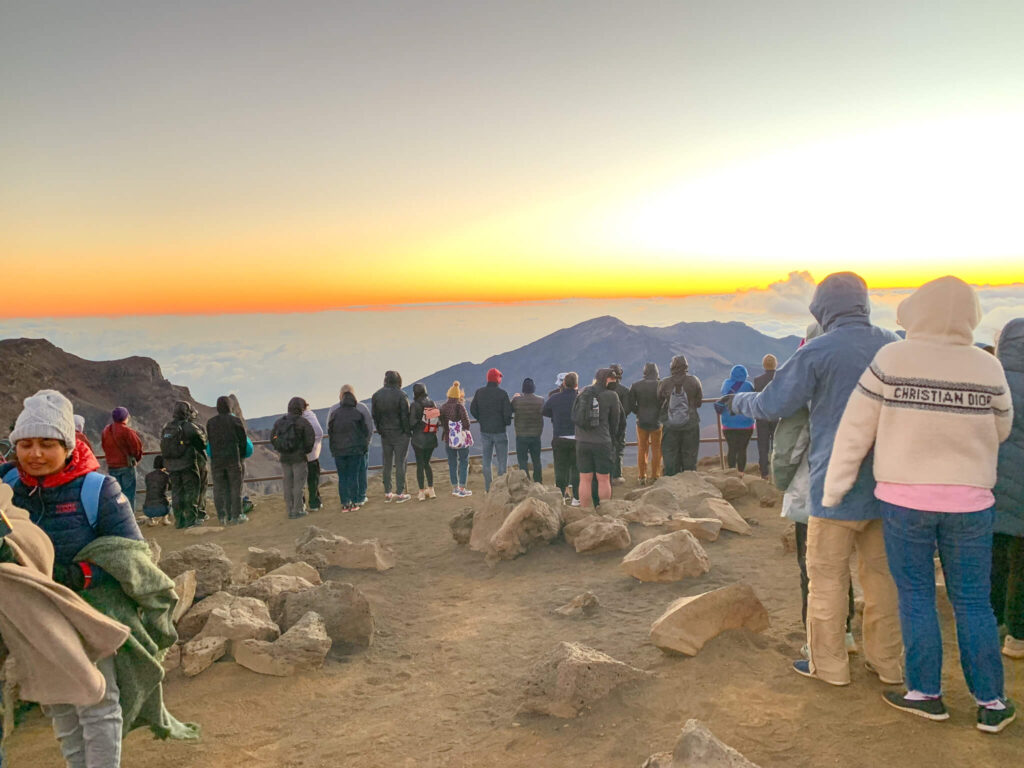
304,430
157,483
390,409
762,381
227,437
421,439
491,408
348,432
611,415
644,399
184,415
626,401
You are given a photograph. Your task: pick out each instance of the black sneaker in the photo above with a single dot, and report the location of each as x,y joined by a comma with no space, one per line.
929,709
994,720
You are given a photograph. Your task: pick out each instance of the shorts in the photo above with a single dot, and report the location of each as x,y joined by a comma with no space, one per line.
594,458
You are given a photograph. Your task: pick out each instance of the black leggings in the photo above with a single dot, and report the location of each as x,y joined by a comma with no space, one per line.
801,559
738,440
1008,582
424,474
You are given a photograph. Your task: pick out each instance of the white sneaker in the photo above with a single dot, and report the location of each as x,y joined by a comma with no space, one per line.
431,494
456,491
464,492
168,520
421,496
153,522
575,503
851,643
1013,648
402,497
388,497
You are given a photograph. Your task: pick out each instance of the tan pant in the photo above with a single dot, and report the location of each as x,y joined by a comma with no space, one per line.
648,438
829,546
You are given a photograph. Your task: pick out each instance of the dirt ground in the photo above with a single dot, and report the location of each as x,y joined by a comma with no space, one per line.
441,684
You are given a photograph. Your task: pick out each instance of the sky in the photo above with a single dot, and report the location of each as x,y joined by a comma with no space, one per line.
202,159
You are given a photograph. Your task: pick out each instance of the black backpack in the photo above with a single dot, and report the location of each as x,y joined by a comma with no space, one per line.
173,440
285,435
586,411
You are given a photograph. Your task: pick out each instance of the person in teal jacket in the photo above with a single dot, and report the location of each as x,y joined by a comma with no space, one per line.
737,427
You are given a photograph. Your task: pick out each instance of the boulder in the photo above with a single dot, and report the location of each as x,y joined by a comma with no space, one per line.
689,488
312,532
582,605
185,589
461,526
726,512
486,522
704,528
243,573
516,482
532,521
272,588
300,569
240,621
265,560
258,656
342,553
208,560
603,535
670,557
345,611
550,496
172,658
645,514
659,760
571,514
731,486
690,622
614,508
698,748
200,653
572,530
661,499
192,623
305,644
571,678
766,493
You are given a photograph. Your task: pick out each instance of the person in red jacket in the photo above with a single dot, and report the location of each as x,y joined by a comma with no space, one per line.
123,450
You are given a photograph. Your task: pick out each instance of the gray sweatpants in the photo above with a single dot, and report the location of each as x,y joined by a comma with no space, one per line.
90,737
294,485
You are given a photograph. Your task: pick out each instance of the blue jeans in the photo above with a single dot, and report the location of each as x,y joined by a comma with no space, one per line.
125,477
528,448
349,468
494,442
458,459
361,477
964,542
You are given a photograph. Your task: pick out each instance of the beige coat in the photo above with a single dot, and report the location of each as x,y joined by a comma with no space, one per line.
53,635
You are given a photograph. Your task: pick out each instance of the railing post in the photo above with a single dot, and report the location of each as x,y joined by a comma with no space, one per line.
721,452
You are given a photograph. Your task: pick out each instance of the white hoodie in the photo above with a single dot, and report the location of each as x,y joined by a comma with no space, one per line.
318,434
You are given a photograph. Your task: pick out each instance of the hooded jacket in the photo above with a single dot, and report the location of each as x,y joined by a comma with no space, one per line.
421,401
610,414
643,397
302,428
227,437
1009,490
492,408
348,428
558,408
791,441
737,382
823,373
389,407
185,416
680,378
318,434
934,406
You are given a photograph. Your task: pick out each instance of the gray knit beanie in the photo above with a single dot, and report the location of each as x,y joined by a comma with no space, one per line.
47,414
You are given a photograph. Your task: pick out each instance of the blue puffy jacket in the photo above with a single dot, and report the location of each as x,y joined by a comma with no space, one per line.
822,374
1009,488
737,376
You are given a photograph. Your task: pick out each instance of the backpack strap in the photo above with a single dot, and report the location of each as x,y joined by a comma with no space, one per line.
11,477
90,496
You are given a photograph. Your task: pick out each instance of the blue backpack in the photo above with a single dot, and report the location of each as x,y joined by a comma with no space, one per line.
90,495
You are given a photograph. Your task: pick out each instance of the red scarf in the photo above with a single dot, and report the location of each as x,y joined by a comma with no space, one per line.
82,462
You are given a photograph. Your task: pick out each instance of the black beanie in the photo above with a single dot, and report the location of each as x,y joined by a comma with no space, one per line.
528,386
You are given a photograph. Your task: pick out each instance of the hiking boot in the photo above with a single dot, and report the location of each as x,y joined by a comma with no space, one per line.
431,494
994,720
388,497
402,497
929,709
421,496
1013,648
888,681
803,667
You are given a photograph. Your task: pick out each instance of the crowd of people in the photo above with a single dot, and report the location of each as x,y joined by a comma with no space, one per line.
891,448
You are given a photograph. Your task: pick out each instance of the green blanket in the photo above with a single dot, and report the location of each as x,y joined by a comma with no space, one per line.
143,599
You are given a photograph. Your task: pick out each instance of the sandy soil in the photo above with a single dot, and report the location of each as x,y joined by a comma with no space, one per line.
441,684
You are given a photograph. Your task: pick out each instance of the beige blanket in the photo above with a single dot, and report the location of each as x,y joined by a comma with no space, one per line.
53,635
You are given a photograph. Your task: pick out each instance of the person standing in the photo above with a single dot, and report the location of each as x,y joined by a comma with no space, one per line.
123,450
182,443
934,408
619,439
390,409
529,424
823,373
680,397
558,408
457,439
738,429
765,429
348,436
643,398
493,411
596,414
360,494
292,437
313,460
228,446
1008,529
425,419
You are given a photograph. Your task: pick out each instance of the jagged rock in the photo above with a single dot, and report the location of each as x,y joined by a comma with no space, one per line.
314,559
698,748
704,528
726,512
689,488
243,573
191,624
572,530
645,514
690,622
571,678
670,557
789,539
461,526
312,532
532,521
571,514
265,560
342,553
200,653
603,535
185,589
208,560
305,644
766,493
516,482
615,508
258,656
661,499
345,611
732,487
300,569
659,760
272,588
585,604
550,496
203,530
172,658
240,621
486,522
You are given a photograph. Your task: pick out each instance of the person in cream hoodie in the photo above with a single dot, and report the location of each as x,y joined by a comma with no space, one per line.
935,408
